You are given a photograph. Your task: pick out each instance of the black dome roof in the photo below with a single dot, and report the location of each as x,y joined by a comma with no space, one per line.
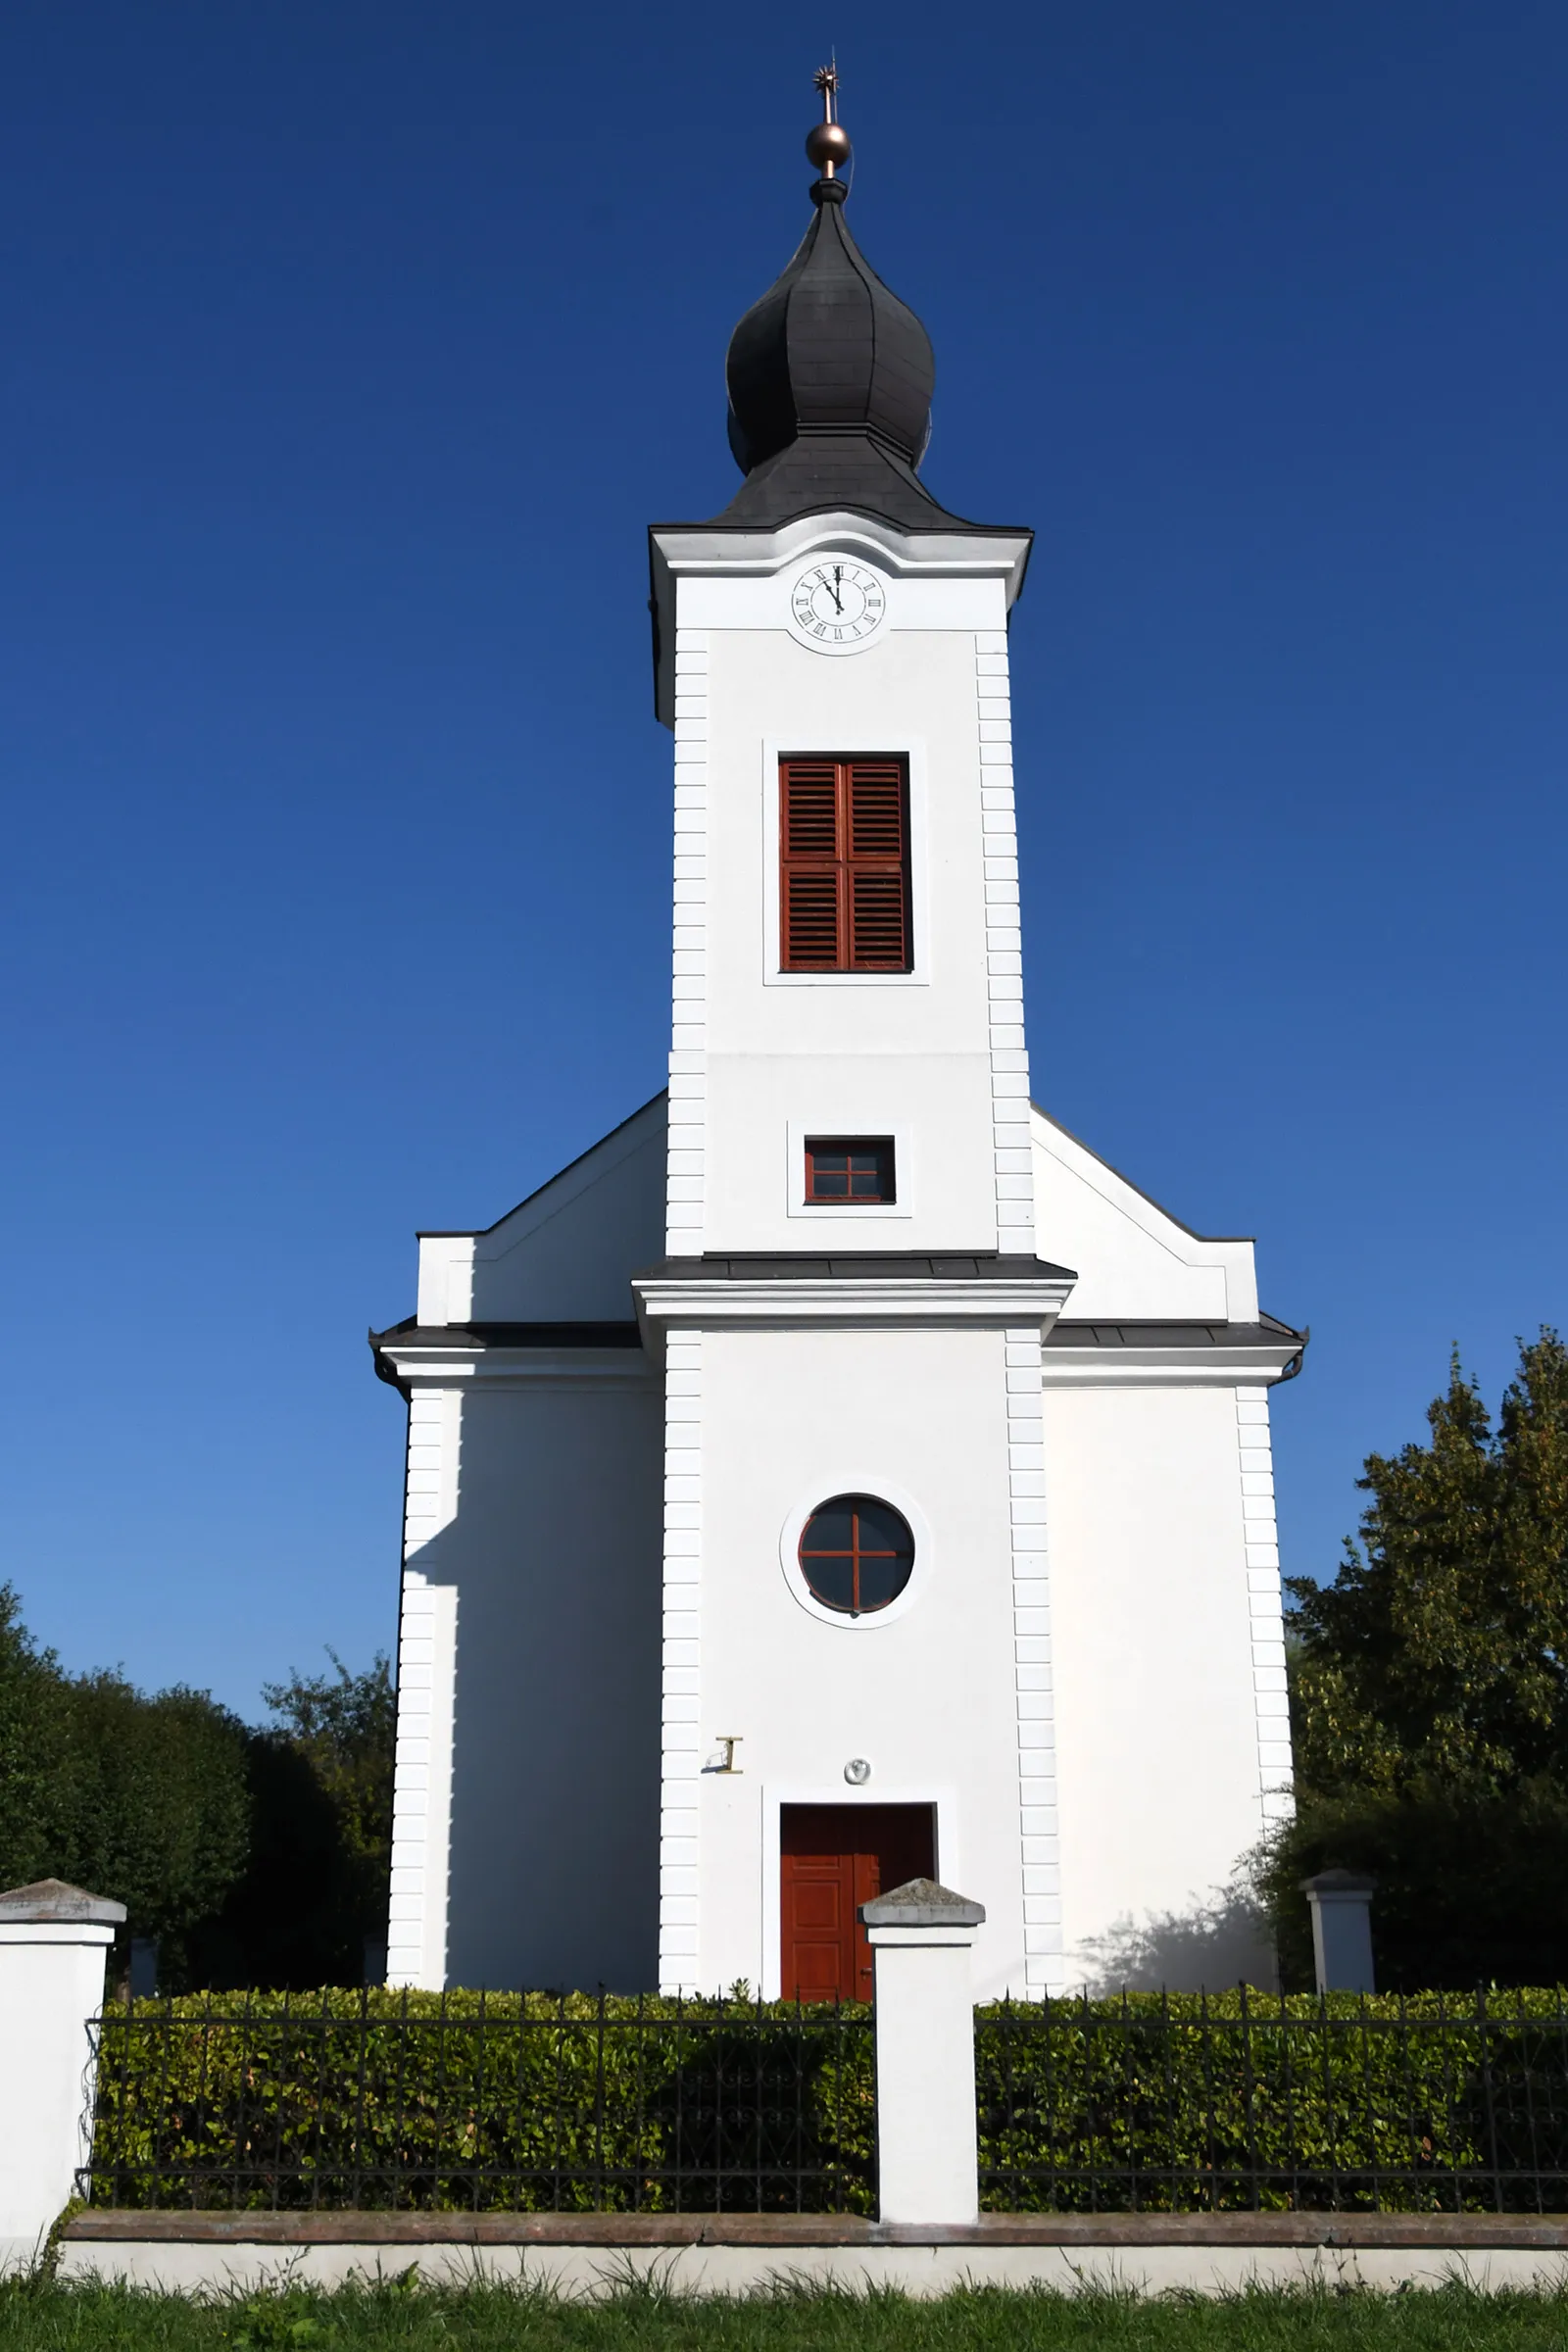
829,348
830,378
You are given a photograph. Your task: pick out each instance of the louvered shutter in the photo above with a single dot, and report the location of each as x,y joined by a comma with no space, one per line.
876,806
844,866
811,893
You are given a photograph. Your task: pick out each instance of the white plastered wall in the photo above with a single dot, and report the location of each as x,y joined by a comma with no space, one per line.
788,1418
525,1831
1158,1722
1134,1260
421,1800
935,1057
564,1254
1173,1737
524,1818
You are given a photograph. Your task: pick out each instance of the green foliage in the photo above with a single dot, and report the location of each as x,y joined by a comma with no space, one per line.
346,1725
288,2323
1441,1650
139,1799
525,2102
296,1916
1429,1699
789,2316
319,1786
251,1855
1472,1886
491,2101
151,1802
1176,2103
32,1738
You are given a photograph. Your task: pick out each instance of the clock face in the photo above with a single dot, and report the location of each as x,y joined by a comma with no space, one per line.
837,606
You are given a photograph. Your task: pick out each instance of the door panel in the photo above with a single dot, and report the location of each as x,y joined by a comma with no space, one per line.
832,1859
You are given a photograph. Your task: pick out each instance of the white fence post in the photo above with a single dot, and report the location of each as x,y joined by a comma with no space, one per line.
54,1940
921,1937
1341,1930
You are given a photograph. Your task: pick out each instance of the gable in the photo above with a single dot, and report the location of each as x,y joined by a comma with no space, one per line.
566,1253
1135,1262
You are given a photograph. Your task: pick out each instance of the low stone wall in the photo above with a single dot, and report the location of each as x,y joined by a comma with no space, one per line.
589,2254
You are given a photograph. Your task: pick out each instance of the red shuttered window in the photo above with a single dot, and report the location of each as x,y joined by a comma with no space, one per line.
844,849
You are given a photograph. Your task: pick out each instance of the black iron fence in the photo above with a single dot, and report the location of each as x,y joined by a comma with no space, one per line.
1248,2102
484,2102
570,2103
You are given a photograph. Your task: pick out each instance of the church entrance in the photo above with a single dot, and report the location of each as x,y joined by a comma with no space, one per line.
834,1858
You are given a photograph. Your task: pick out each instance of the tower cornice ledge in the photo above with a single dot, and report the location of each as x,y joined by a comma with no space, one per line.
1158,1354
738,551
894,1290
977,549
553,1355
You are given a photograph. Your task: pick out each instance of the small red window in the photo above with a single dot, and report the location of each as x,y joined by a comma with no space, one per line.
842,1169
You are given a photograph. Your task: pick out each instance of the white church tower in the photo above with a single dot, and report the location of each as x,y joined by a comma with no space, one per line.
839,1475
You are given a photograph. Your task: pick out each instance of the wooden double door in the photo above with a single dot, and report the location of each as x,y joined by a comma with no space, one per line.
832,1859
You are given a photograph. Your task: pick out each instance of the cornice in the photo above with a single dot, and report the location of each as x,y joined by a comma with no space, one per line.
701,547
712,550
864,1302
462,1361
1221,1363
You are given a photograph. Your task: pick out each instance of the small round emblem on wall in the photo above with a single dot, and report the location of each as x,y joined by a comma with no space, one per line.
836,606
858,1772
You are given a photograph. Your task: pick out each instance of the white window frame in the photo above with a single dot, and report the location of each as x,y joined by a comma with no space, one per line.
853,744
855,1481
843,1215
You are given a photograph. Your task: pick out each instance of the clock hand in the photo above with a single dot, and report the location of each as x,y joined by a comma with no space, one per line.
838,574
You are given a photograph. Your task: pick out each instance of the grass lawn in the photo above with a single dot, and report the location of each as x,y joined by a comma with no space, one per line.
60,2319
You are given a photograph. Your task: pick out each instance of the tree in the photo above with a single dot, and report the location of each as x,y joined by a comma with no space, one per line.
321,1799
1472,1887
347,1727
139,1799
253,1856
1429,1697
32,1743
1440,1649
151,1803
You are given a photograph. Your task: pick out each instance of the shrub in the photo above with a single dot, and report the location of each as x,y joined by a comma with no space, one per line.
564,2102
1173,2102
466,2100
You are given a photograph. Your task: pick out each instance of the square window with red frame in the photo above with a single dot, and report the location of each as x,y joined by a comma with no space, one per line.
847,1171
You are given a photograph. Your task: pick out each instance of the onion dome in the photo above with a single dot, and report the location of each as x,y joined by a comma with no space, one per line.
827,349
830,374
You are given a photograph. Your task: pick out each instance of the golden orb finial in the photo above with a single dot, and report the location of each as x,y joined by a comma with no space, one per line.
827,143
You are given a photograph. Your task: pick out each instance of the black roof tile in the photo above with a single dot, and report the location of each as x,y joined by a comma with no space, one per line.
863,1268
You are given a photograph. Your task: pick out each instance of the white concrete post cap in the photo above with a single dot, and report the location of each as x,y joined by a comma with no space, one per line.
922,1903
51,1901
1339,1887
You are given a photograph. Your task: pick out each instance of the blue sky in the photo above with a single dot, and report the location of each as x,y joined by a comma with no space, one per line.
349,350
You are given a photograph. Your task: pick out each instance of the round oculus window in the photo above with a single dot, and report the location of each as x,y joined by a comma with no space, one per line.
855,1554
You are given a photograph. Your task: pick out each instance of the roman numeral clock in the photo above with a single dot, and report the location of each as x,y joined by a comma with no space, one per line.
837,607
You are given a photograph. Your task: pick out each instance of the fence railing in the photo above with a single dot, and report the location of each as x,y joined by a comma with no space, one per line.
484,2102
534,2102
1244,2101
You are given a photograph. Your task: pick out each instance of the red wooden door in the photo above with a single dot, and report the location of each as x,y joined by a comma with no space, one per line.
834,1858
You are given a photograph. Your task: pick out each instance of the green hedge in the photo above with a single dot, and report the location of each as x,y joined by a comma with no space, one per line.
534,2101
1185,2103
520,2102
